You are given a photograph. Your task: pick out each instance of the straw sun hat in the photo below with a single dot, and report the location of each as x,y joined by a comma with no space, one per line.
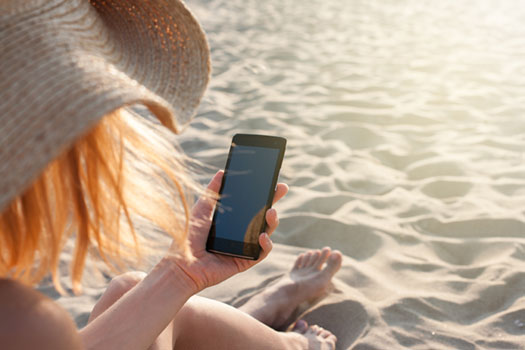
64,64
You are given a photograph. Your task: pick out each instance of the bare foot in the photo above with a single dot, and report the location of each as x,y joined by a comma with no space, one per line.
314,337
307,280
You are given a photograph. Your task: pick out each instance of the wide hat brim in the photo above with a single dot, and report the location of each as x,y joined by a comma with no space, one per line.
65,64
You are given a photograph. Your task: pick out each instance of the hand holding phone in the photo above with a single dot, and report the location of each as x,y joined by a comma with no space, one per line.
246,193
207,269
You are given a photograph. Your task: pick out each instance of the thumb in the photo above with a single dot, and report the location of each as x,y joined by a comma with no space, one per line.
206,203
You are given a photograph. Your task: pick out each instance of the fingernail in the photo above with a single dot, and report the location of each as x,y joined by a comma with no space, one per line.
267,238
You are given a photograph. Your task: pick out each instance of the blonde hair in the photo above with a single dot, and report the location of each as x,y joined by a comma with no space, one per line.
122,170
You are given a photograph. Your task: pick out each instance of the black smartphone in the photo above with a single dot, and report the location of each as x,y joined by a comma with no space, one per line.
246,193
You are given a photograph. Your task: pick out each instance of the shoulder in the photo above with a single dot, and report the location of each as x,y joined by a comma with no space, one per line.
29,320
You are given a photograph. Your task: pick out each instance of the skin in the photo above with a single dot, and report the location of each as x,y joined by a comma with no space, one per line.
159,310
29,320
230,328
309,279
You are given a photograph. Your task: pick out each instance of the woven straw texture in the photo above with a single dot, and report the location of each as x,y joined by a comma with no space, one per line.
66,64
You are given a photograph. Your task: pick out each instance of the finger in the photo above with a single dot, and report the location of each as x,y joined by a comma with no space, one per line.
206,203
272,220
215,183
266,245
280,191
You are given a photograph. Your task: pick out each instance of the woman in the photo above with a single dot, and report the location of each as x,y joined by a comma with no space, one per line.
75,159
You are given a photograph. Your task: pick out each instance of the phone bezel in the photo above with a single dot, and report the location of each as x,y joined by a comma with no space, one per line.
241,249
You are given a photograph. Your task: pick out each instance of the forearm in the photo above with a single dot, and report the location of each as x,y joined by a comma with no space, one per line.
136,319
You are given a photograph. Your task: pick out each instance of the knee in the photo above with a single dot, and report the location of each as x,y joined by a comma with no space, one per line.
188,317
197,309
122,283
118,286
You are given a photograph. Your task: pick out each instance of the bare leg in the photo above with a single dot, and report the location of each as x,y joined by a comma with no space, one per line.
208,324
203,323
309,279
116,289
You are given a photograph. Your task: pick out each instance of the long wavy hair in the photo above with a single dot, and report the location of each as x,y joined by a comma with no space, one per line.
122,171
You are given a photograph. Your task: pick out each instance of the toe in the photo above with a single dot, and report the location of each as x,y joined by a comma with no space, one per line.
325,253
302,260
299,261
307,258
334,262
326,334
316,254
300,326
315,329
332,340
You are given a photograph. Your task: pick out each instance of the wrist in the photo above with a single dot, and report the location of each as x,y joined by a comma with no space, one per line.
175,272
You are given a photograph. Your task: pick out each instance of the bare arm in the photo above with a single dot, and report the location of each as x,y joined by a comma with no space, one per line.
138,317
30,320
135,320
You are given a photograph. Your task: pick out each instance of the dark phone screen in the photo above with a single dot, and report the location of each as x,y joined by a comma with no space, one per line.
247,185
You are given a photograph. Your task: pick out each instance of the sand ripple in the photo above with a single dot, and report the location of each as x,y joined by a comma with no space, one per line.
406,129
406,138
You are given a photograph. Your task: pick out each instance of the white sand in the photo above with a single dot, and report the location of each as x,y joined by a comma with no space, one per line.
406,129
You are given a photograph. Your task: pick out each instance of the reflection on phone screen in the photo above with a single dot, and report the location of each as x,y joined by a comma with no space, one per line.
247,184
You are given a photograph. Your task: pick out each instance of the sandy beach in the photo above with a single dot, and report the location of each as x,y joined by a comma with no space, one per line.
405,123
